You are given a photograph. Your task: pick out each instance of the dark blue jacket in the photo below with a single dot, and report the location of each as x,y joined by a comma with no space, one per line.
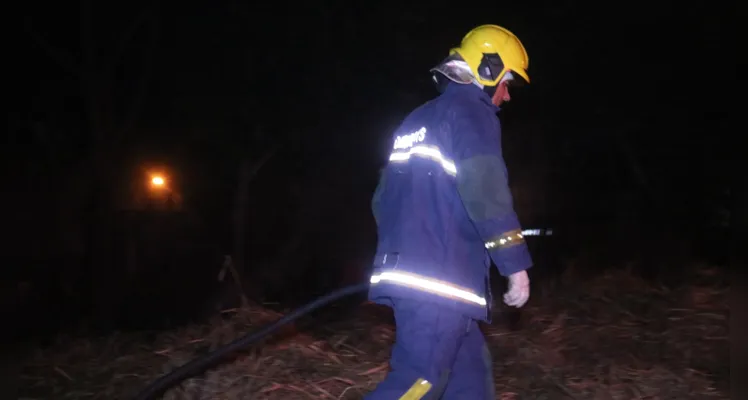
443,207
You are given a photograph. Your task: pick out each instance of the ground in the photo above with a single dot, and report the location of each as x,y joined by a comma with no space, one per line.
611,337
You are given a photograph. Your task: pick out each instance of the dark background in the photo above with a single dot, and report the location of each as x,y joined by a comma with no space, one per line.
270,121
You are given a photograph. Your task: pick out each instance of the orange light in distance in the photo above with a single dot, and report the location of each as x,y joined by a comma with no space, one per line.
157,181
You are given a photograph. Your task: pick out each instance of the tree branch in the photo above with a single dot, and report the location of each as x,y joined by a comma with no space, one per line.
146,14
64,59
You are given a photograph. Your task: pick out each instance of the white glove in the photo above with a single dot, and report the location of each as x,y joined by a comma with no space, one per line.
519,289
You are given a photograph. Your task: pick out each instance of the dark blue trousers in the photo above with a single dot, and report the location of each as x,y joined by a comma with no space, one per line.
438,354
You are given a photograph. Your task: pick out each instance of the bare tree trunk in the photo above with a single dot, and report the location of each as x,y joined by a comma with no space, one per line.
95,98
632,160
97,83
247,172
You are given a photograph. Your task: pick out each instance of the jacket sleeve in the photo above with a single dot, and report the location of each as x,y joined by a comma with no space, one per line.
483,185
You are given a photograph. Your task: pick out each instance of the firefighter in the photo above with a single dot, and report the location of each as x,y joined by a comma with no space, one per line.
444,211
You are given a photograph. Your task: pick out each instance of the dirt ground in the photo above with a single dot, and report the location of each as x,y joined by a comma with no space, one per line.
612,337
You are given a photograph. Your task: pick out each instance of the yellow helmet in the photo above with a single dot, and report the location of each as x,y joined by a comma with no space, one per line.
491,51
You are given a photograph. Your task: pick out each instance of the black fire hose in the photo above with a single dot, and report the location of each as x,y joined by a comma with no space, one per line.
158,387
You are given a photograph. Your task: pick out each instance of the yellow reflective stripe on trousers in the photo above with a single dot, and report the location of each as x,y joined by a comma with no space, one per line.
418,390
441,288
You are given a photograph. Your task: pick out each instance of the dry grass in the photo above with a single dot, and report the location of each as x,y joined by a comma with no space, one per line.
615,337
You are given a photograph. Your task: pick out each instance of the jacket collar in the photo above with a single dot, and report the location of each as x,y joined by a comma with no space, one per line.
471,91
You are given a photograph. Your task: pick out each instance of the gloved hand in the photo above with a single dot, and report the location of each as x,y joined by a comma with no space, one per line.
519,289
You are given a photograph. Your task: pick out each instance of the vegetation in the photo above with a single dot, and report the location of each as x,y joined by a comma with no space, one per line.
615,336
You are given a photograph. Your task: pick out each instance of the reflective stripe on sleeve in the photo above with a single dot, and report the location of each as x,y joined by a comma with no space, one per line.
506,239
